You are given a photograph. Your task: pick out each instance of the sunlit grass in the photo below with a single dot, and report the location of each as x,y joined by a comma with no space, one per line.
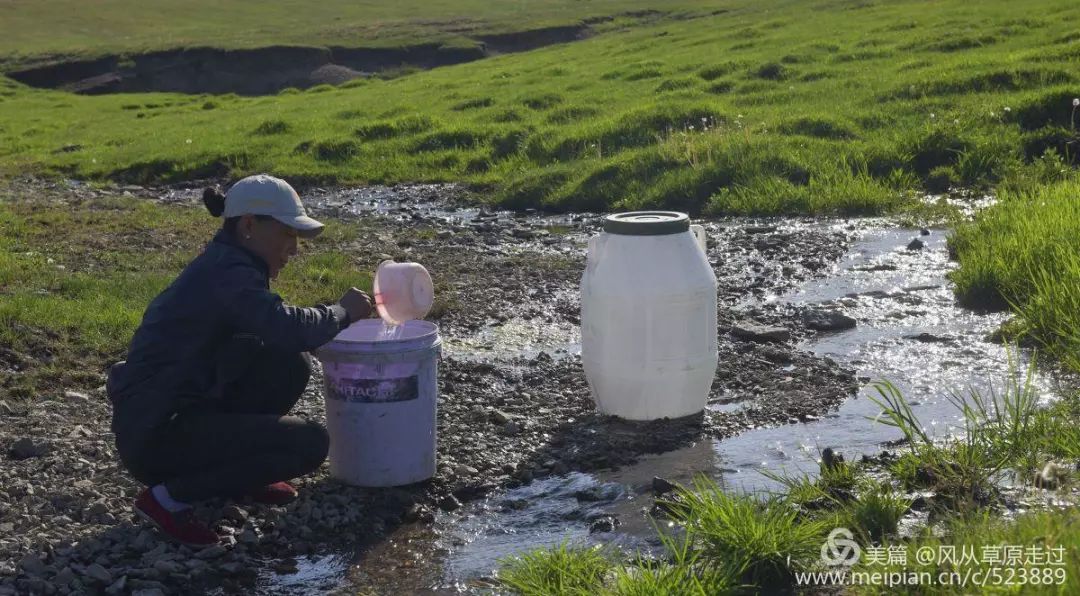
1025,252
744,112
763,544
75,279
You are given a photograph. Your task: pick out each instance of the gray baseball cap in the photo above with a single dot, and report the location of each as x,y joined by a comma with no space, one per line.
266,195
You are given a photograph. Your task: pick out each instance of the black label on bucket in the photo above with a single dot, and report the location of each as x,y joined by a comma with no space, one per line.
375,390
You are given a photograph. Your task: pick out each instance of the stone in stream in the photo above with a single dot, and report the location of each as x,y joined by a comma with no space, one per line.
776,355
661,486
286,567
419,513
919,503
817,504
916,244
758,333
930,338
595,494
1052,476
607,523
830,459
449,503
827,320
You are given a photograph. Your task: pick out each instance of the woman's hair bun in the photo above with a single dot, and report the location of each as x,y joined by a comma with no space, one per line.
214,201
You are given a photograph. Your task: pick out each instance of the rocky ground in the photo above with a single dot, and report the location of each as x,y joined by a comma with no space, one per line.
66,524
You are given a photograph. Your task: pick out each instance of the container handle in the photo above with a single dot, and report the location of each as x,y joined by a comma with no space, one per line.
699,235
596,246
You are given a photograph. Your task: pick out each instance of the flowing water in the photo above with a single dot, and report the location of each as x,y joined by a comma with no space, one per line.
390,332
910,333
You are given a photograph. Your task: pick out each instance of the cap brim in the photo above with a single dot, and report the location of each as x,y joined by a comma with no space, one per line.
304,225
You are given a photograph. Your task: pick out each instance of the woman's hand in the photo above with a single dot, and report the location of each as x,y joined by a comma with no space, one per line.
357,304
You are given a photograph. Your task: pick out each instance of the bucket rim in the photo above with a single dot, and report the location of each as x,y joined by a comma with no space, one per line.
430,330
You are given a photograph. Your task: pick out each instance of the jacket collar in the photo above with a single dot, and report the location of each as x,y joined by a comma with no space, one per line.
230,240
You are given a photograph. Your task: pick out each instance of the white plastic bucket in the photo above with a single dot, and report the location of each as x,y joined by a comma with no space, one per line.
381,403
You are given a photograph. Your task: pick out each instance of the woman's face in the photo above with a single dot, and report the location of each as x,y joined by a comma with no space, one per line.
272,240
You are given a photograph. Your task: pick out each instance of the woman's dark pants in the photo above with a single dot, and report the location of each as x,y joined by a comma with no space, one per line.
243,441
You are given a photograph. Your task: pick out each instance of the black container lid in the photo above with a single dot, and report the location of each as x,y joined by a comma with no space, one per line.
647,223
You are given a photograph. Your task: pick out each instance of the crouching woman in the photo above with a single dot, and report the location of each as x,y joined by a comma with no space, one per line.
201,405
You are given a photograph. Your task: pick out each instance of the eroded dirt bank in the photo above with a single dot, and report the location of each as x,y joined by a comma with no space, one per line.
267,70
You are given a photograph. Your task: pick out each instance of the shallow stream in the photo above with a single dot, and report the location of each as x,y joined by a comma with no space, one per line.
910,332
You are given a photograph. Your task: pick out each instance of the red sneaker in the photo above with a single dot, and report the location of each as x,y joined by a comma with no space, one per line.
278,493
181,526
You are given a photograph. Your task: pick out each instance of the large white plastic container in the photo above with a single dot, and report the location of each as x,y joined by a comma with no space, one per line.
381,403
648,317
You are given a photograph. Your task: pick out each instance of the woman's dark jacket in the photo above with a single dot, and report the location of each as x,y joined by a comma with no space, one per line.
185,350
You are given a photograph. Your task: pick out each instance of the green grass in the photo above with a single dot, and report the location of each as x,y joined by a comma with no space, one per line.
1025,252
75,280
559,570
29,28
1001,437
877,512
1044,530
765,542
565,570
747,544
744,112
727,542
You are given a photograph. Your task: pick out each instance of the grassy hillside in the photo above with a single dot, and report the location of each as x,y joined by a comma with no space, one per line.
776,106
30,28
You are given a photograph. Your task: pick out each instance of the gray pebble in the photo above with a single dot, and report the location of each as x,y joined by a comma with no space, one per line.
99,573
211,552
